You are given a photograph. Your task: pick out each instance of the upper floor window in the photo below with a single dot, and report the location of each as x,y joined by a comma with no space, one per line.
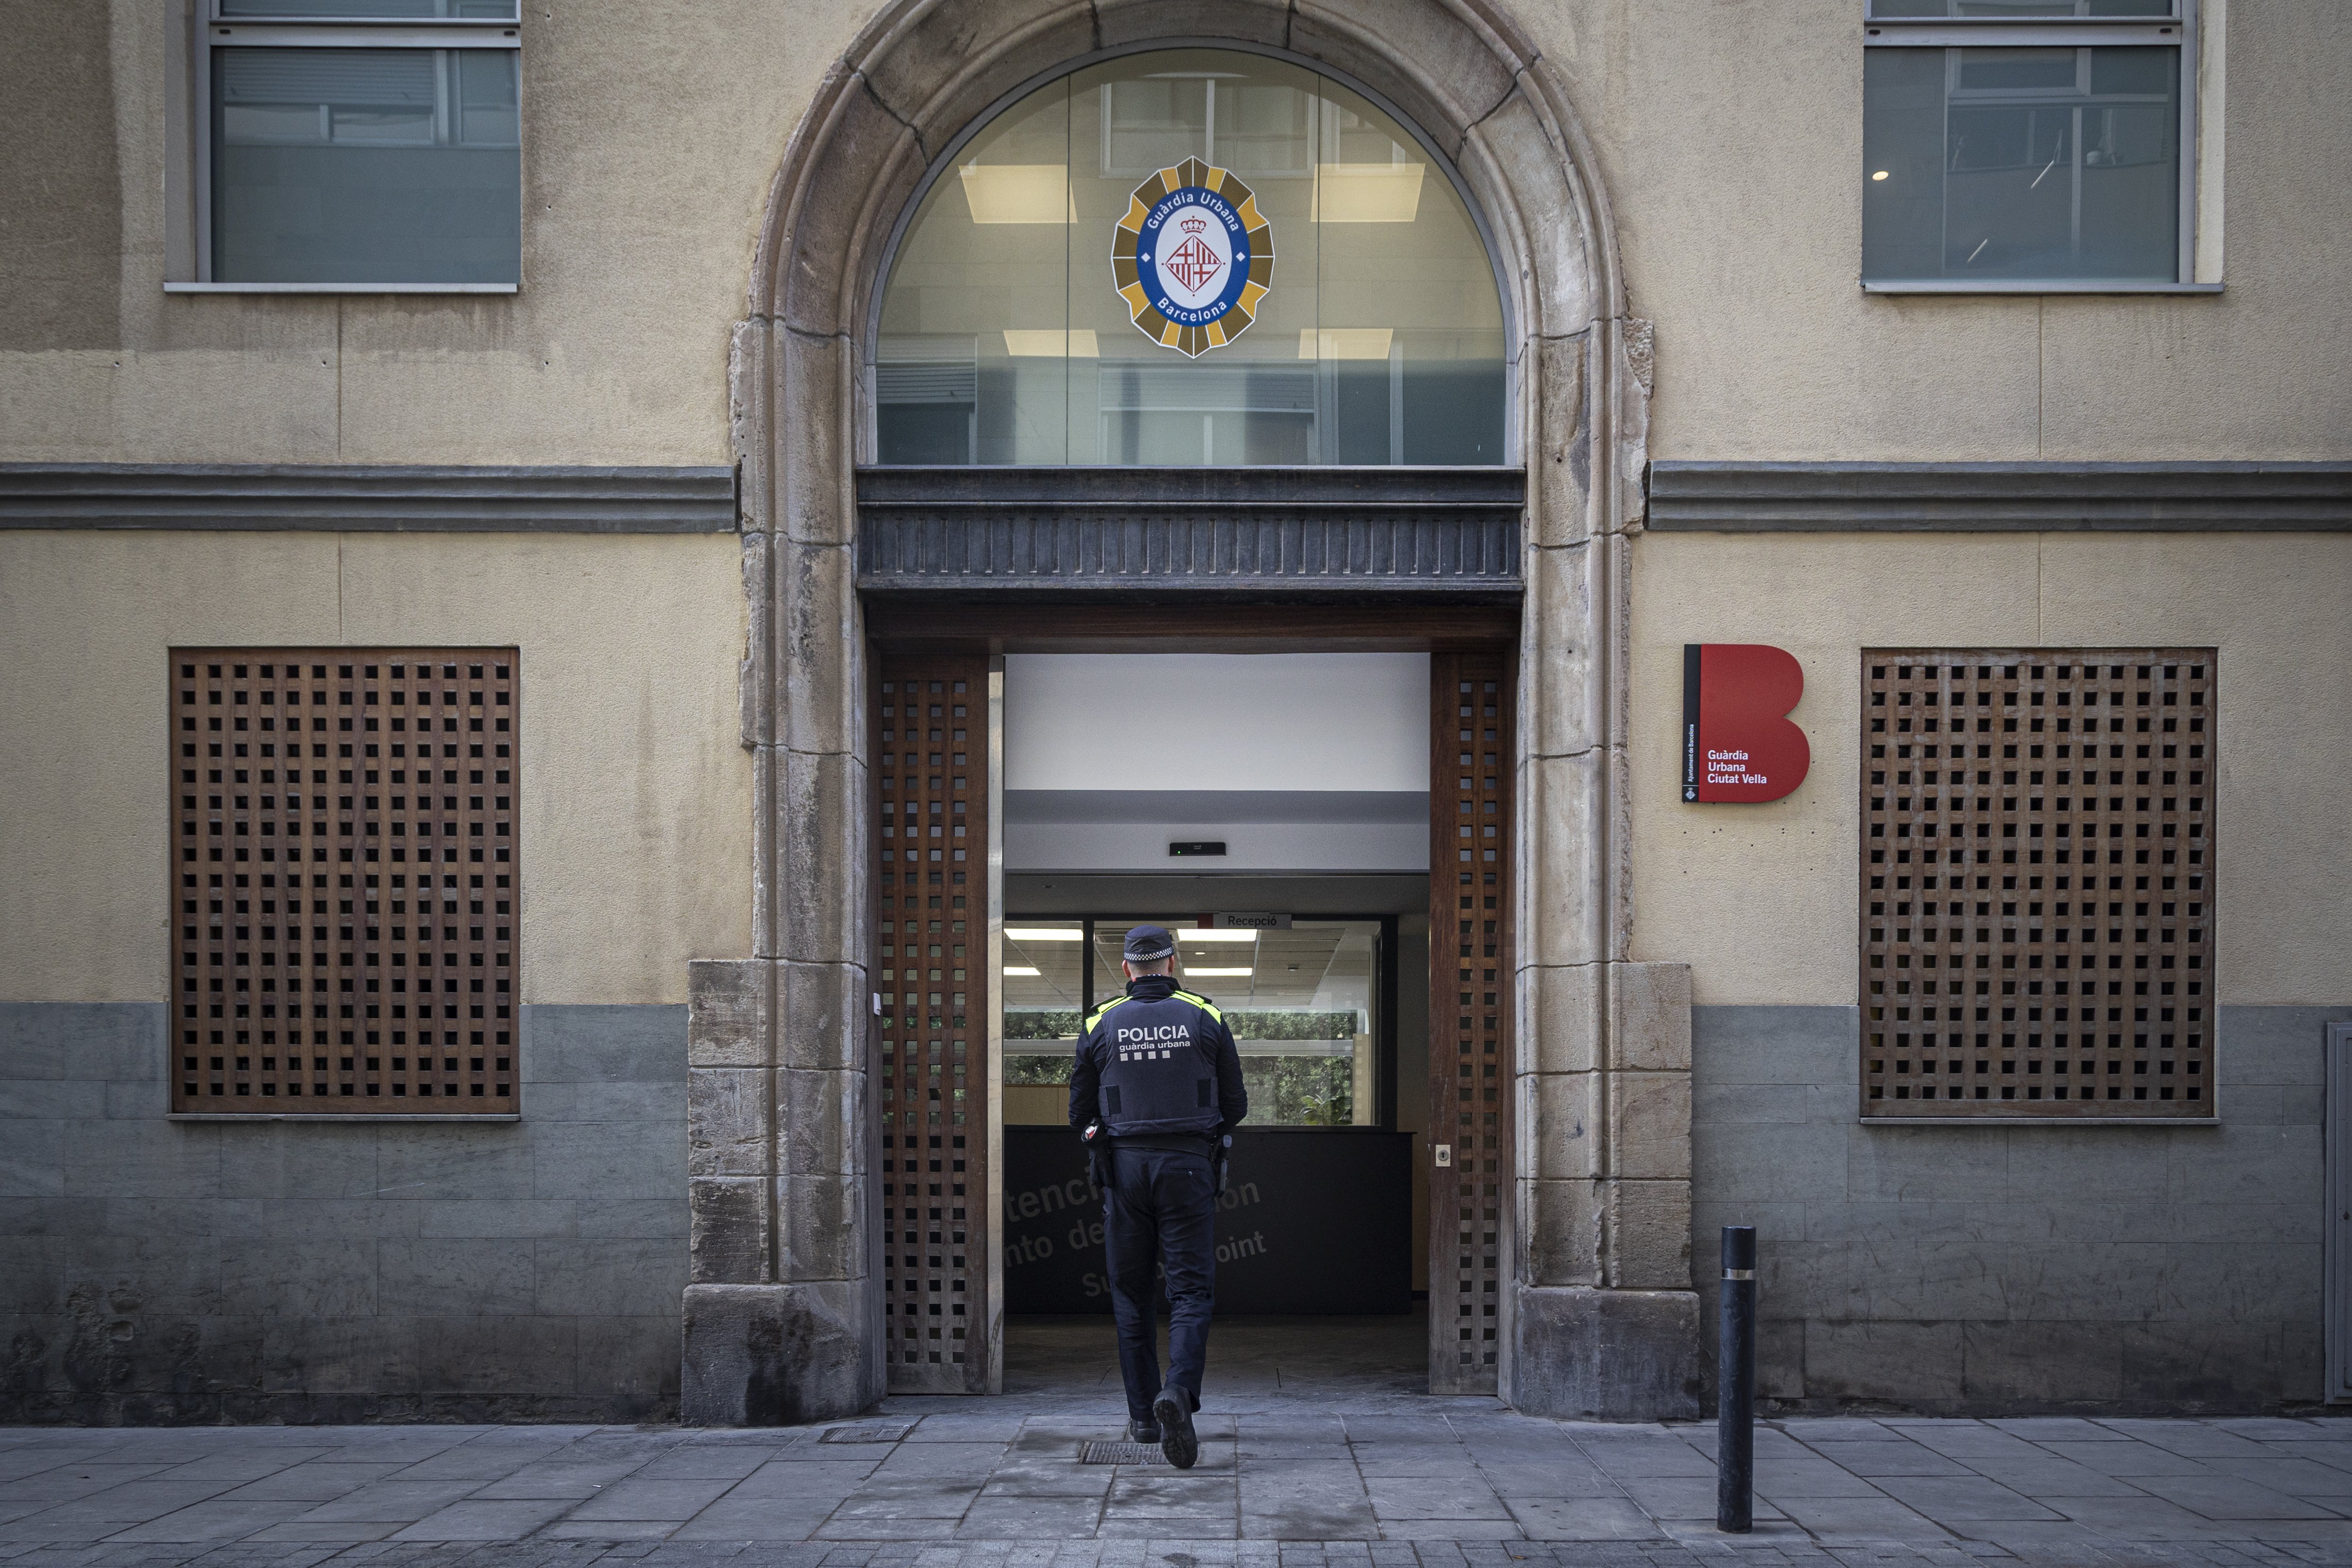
2028,142
1192,256
362,142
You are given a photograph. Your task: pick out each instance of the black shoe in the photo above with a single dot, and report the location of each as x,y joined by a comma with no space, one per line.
1143,1431
1173,1410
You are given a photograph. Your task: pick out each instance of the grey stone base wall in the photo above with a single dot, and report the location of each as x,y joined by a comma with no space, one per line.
2009,1270
154,1271
1586,1354
780,1355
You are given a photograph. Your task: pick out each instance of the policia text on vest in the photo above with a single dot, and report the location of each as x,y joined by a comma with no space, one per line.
1157,1073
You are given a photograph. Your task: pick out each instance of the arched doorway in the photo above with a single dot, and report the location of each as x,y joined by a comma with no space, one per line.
1594,1310
1161,262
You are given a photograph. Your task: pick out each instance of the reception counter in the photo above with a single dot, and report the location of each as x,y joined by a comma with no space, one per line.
1315,1220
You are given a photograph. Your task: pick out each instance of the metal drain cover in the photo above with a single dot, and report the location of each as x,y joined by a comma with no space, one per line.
1121,1454
883,1432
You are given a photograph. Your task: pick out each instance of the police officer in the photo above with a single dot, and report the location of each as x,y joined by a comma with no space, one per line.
1157,1072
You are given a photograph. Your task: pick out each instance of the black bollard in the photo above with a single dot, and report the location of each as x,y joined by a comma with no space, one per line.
1735,1404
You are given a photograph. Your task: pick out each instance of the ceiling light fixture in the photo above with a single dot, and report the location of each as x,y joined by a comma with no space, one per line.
1052,343
1198,934
1023,971
1018,193
1365,194
1344,342
1046,934
1195,969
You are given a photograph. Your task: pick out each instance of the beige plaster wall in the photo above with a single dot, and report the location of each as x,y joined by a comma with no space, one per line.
651,131
1728,132
635,809
1762,901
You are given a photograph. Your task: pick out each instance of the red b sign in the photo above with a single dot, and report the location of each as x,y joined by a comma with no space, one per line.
1738,742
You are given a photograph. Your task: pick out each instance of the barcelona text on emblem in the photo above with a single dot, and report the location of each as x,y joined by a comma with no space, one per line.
1192,258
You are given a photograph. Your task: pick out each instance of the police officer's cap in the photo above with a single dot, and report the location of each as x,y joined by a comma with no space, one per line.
1148,944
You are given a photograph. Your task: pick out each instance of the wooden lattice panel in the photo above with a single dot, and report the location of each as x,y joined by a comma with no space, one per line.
343,865
930,888
1470,1056
2037,880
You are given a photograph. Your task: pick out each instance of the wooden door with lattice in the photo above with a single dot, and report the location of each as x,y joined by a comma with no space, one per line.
1470,1082
930,870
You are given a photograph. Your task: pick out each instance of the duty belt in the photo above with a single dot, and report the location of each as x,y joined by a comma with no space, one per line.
1173,1143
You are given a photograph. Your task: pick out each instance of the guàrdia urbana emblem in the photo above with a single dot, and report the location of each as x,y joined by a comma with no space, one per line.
1193,257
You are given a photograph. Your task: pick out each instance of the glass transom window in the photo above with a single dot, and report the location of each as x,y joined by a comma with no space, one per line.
1190,258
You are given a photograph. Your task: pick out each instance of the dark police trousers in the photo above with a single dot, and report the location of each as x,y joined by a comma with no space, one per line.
1161,1207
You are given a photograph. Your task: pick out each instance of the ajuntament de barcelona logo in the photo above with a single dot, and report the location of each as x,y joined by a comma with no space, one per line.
1192,258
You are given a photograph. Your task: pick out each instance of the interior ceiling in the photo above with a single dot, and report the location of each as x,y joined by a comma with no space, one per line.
1216,723
1202,807
1191,894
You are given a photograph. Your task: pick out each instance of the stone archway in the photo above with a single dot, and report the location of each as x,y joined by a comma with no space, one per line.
782,1319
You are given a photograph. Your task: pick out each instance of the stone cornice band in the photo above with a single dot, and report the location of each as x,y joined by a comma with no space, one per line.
354,499
1423,525
2000,497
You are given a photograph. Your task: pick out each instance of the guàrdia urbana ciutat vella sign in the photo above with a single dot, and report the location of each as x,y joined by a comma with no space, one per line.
1738,742
1193,257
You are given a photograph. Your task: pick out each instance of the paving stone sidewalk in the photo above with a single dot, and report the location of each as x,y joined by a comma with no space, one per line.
1363,1482
1153,1554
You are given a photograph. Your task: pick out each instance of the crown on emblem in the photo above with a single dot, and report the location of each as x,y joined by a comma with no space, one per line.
1194,226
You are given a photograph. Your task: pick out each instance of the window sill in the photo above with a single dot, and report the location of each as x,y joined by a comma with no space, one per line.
342,288
2030,285
2067,1121
345,1119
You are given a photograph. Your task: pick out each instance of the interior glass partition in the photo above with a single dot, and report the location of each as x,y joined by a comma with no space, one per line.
1303,1002
1045,992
